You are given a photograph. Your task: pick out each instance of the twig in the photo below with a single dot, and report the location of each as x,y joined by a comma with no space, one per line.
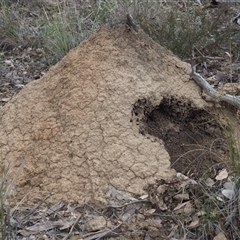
36,207
127,204
213,93
103,234
74,224
209,57
214,58
131,22
94,209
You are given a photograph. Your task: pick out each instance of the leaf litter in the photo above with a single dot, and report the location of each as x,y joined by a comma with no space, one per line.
170,210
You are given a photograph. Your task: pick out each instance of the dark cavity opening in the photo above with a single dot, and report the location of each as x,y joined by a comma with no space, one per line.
193,138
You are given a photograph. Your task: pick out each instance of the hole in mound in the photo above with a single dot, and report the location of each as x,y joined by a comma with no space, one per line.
193,138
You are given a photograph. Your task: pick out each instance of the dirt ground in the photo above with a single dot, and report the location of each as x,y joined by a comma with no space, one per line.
111,124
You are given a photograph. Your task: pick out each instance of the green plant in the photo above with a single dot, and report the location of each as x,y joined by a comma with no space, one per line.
8,28
6,189
69,25
218,203
210,213
62,25
183,29
233,146
101,12
4,217
16,26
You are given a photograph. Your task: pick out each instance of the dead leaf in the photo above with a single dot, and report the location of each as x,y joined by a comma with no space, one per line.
180,206
209,182
40,227
212,79
150,211
66,224
99,235
127,214
182,176
220,236
5,99
182,196
130,210
228,193
114,204
228,54
119,195
97,223
162,205
161,189
194,224
229,185
185,208
9,63
144,196
56,207
223,174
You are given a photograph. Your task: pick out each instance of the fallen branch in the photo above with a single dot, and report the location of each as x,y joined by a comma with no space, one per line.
212,93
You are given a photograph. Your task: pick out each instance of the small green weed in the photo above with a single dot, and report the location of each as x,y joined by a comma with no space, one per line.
218,204
233,145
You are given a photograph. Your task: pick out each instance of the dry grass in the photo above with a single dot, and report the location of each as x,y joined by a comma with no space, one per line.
61,26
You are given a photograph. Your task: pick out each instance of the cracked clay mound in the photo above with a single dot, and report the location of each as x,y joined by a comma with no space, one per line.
76,130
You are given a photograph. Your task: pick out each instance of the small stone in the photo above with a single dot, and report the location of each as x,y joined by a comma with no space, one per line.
161,189
209,182
4,89
220,236
5,99
153,232
184,196
9,75
162,205
39,51
95,224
